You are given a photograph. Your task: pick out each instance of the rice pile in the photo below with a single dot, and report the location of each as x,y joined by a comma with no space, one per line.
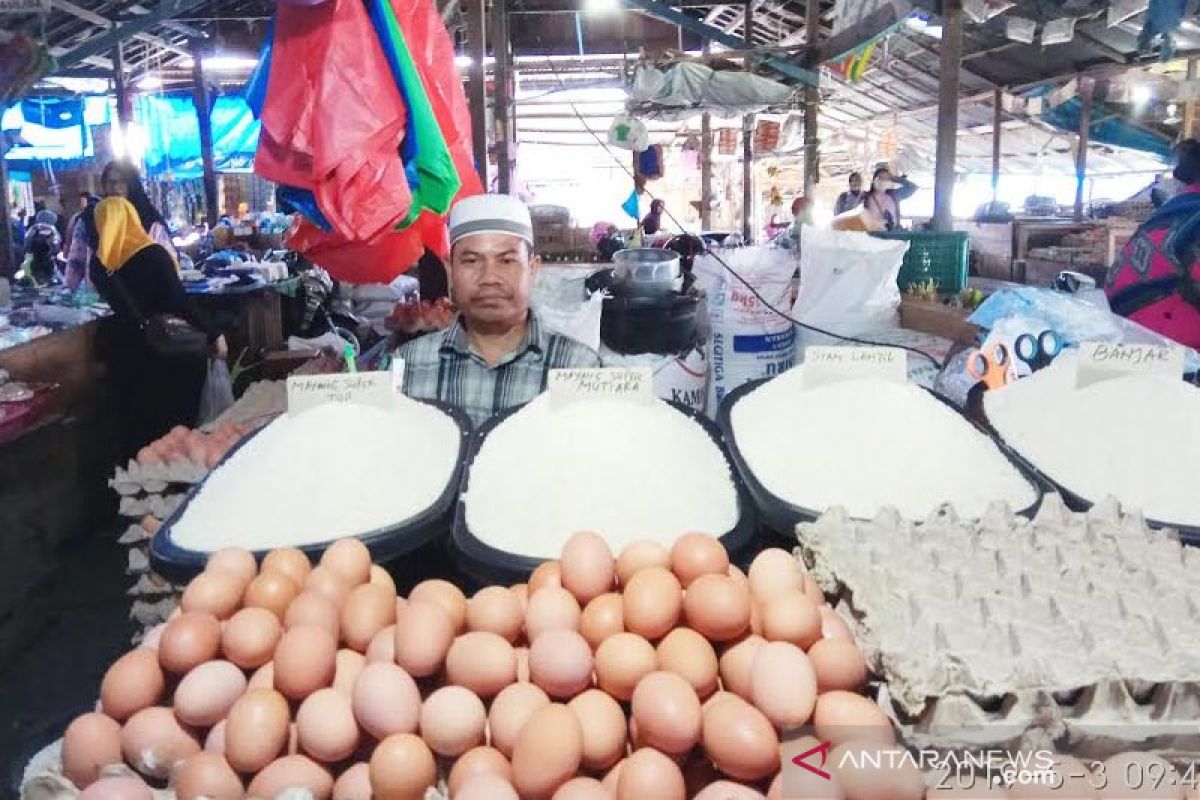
626,470
865,444
335,470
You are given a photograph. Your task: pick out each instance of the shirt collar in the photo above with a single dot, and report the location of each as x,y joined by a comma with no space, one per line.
536,338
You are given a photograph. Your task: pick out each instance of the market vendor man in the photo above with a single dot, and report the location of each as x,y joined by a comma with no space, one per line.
497,353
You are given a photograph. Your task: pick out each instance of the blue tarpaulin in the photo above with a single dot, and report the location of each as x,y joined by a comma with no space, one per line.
1108,127
52,129
173,135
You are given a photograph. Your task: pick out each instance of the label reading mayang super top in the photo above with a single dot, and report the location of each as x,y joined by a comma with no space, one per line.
824,365
362,388
632,383
1100,361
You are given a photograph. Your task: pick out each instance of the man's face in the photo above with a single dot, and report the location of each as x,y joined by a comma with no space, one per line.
883,179
491,277
855,183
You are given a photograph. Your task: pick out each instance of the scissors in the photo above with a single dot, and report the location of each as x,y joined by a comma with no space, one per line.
993,367
1039,351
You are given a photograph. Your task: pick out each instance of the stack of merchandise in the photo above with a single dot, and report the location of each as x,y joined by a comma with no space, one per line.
365,128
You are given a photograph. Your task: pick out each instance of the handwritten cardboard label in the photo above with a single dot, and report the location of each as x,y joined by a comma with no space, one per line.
1099,361
824,365
633,383
364,388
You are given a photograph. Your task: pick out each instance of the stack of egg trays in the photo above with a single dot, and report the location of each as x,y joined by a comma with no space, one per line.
1075,632
149,494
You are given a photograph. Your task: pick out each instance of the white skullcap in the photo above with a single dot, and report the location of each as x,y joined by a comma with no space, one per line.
490,213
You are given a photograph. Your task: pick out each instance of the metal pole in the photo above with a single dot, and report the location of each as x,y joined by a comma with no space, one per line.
812,97
706,145
947,128
997,118
502,52
747,141
1188,129
120,90
203,103
7,245
1085,129
476,12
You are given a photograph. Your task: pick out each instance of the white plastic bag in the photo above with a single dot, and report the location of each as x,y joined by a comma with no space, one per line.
217,394
581,323
748,340
847,283
628,133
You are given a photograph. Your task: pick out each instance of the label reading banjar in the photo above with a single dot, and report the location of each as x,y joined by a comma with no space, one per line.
824,365
1100,361
364,388
631,383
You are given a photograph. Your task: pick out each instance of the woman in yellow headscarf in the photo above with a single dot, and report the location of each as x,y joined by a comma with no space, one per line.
137,277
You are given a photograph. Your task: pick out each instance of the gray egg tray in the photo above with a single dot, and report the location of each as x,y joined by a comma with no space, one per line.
1070,628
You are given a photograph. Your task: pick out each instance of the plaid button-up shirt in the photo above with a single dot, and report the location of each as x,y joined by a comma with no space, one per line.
442,366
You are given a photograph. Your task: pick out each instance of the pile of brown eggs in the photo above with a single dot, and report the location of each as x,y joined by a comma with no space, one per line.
658,674
203,449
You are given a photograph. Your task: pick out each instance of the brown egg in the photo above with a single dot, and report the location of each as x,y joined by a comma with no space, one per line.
690,656
791,618
582,789
453,720
622,660
602,617
369,608
547,752
153,636
840,715
347,666
478,761
446,596
206,775
718,607
263,677
511,709
292,772
560,662
548,573
774,572
134,681
667,712
649,773
386,701
326,726
698,772
782,684
551,608
736,663
522,654
838,664
130,788
153,741
603,725
494,609
832,624
382,646
587,568
250,637
304,661
740,740
483,662
521,590
205,695
215,741
188,641
313,608
328,584
380,577
639,555
868,772
812,591
424,634
271,591
696,554
402,768
350,559
288,561
216,593
234,560
609,782
256,730
353,784
487,787
91,741
653,599
802,783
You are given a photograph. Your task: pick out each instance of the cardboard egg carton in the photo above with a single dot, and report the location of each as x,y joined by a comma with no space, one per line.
153,478
154,505
1077,627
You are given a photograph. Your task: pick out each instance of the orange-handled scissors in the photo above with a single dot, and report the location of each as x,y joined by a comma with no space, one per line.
993,367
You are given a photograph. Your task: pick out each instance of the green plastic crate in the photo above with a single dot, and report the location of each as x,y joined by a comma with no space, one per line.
948,259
